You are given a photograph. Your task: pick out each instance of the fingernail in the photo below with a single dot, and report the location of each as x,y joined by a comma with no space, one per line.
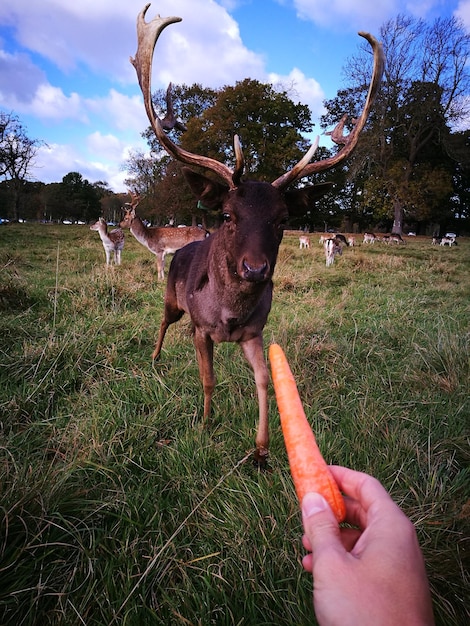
313,503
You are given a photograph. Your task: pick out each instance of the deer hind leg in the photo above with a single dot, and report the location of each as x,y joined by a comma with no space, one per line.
205,359
170,316
253,351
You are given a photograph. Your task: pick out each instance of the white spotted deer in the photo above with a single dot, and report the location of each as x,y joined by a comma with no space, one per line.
332,248
159,240
224,283
113,242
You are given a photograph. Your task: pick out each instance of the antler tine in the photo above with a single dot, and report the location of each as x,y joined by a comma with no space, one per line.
147,36
349,141
289,177
239,162
169,121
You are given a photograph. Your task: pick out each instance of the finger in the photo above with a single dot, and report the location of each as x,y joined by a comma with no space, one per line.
306,543
349,537
307,563
364,489
355,513
320,525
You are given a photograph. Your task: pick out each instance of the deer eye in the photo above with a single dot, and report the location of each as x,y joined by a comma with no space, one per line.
226,217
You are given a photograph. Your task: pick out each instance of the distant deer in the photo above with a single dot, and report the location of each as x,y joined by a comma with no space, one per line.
159,240
304,242
112,241
369,238
224,283
332,248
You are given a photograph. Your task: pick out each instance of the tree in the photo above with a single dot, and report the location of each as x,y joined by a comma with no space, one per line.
17,153
403,165
82,201
269,123
155,176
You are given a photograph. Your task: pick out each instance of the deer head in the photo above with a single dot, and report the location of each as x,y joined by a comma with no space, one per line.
129,209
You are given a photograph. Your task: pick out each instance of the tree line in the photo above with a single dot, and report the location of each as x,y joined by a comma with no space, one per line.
410,171
72,199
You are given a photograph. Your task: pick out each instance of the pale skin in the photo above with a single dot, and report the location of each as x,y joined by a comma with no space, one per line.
372,574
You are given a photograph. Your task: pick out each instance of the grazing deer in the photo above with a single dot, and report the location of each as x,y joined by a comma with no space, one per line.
112,241
369,238
396,238
304,242
159,240
447,241
224,283
332,248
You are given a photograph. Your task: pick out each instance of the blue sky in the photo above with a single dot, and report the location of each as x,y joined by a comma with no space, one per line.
65,71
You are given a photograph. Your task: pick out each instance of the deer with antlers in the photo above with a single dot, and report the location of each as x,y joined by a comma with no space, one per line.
224,283
159,240
113,242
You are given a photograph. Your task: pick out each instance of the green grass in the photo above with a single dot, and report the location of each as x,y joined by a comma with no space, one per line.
118,506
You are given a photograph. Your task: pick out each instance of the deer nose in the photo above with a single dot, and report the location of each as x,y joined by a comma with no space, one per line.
255,274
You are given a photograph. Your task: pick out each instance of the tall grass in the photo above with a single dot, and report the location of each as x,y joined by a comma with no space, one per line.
119,506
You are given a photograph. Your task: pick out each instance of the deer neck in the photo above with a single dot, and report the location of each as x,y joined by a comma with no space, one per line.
140,231
103,233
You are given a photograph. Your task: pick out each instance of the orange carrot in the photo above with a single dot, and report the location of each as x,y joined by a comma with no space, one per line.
307,465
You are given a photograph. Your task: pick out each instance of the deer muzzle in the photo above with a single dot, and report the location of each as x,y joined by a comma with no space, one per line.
255,273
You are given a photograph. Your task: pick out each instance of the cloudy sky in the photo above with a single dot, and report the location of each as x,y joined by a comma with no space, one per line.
65,71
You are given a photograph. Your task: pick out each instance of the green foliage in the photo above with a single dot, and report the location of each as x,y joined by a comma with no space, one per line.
267,121
82,199
119,506
403,164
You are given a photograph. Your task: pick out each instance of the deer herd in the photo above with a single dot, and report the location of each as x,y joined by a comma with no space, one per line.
223,281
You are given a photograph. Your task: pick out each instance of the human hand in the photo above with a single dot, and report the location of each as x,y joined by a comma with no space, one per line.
372,574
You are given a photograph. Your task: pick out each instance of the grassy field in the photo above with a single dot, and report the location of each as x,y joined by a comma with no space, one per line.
119,507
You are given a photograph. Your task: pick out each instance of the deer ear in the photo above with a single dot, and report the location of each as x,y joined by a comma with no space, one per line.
299,201
209,192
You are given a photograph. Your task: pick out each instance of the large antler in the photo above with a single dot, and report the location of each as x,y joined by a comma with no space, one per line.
147,36
303,167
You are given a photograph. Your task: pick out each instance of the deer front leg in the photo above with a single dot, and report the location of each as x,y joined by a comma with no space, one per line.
253,351
205,359
160,265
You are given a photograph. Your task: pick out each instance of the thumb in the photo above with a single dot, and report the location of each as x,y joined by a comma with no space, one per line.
320,524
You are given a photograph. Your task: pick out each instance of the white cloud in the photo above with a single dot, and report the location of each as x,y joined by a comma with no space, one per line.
108,145
14,92
344,14
340,14
125,113
56,160
100,35
301,89
51,103
463,12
